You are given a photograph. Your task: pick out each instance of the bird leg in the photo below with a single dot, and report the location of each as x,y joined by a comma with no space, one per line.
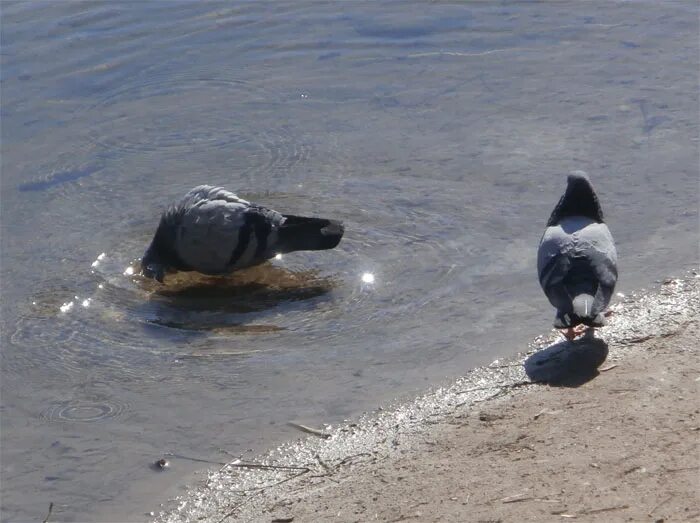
568,334
572,332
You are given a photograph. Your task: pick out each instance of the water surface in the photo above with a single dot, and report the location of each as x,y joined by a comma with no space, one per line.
439,133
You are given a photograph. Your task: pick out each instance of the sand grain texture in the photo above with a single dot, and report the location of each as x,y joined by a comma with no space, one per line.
621,447
617,444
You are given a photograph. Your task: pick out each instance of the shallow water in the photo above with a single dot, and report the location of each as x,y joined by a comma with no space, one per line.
440,134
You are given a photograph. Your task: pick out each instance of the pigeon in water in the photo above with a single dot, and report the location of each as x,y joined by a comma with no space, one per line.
577,260
213,231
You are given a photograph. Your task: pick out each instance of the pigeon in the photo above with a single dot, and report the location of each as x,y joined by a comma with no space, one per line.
213,231
577,260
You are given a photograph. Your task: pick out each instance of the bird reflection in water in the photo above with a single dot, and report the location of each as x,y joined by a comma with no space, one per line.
194,301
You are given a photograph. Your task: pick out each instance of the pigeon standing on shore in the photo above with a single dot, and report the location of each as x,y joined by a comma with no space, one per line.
213,231
577,260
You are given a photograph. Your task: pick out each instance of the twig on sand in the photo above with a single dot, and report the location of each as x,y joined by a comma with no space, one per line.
662,502
545,411
310,430
259,490
262,466
352,456
237,463
242,465
49,514
640,339
236,507
606,509
609,367
325,465
498,388
517,498
591,511
403,517
681,469
201,460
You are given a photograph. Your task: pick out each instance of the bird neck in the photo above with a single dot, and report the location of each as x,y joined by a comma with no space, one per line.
162,247
579,200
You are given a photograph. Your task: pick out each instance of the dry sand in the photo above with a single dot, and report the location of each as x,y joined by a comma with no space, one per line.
617,444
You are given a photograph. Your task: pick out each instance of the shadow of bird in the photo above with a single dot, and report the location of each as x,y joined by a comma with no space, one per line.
567,363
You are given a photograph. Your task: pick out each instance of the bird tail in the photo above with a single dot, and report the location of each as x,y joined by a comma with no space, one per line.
308,234
583,306
584,312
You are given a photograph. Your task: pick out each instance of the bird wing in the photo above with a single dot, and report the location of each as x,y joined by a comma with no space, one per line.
554,256
211,193
208,233
596,244
567,245
219,232
257,238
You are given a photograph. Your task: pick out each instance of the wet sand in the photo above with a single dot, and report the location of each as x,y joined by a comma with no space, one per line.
609,431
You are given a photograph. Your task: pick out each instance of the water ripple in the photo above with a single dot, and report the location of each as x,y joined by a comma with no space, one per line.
84,411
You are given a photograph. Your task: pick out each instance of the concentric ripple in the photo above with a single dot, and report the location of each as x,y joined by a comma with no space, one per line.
84,411
176,115
126,325
141,117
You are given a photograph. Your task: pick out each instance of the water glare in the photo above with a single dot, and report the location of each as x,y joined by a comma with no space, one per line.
66,306
439,137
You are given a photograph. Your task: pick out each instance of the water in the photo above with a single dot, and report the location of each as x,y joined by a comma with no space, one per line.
439,133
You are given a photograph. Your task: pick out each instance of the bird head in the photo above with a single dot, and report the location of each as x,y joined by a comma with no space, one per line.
580,199
151,266
159,258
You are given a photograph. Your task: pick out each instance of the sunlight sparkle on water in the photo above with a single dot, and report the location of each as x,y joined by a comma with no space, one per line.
98,260
128,271
86,302
278,256
66,306
368,277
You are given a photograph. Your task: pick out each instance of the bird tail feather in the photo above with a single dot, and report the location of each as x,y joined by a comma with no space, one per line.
582,313
298,233
583,306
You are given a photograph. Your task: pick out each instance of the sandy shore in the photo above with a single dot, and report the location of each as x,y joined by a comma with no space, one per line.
544,437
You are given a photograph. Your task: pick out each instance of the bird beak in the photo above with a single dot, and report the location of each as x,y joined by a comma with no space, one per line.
154,271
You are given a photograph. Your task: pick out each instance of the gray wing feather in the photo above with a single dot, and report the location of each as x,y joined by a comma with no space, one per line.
219,231
576,238
212,193
208,234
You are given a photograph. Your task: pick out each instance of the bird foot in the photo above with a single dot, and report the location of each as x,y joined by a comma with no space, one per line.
573,332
